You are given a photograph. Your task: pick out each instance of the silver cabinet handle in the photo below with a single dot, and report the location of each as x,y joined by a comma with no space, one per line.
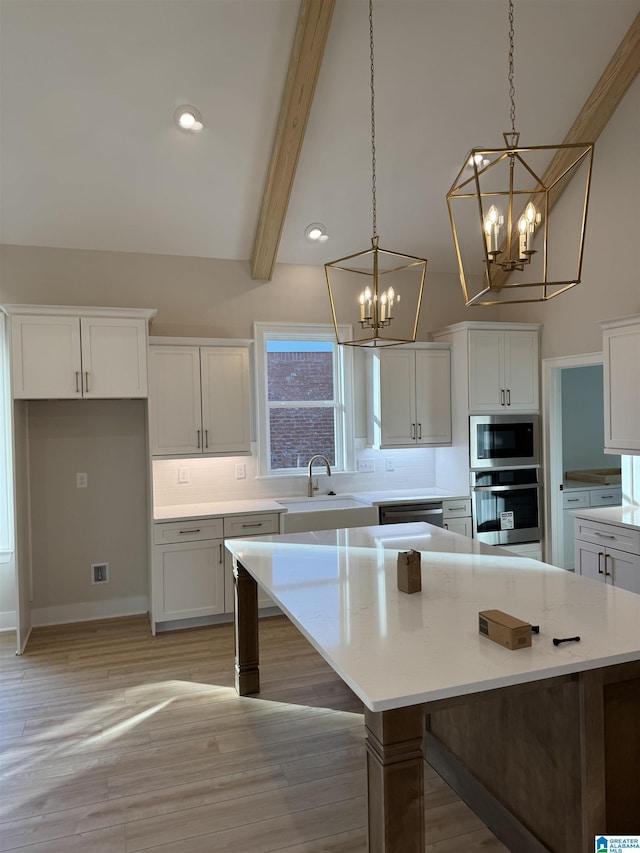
502,397
604,535
198,431
508,396
86,381
193,530
600,554
419,432
77,381
607,557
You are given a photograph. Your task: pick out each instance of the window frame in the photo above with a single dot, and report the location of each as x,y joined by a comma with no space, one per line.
343,393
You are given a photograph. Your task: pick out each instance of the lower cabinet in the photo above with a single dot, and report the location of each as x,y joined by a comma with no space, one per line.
577,499
456,516
192,573
532,550
187,570
608,552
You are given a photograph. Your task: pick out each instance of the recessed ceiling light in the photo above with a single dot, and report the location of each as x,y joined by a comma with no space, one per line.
189,119
316,232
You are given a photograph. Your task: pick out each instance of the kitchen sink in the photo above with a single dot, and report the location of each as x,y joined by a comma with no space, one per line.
326,513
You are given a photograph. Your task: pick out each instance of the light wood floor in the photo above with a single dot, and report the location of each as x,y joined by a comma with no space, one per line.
114,741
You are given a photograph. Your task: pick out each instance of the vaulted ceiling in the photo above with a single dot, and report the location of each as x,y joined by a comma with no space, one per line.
91,158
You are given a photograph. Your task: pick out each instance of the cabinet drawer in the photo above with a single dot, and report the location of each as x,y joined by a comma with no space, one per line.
189,530
608,535
574,500
606,497
457,508
251,525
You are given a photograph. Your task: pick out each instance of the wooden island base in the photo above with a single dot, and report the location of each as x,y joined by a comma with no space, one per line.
547,765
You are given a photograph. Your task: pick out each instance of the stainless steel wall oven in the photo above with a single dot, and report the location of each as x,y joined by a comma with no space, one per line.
506,506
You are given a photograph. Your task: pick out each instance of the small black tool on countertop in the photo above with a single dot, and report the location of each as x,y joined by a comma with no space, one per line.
557,642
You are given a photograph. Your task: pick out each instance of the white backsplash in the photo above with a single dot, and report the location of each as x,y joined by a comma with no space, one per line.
215,478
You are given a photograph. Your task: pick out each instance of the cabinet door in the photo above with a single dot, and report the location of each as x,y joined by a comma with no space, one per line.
225,399
589,560
188,580
623,569
114,357
46,357
622,390
433,396
486,384
520,356
175,420
398,421
459,525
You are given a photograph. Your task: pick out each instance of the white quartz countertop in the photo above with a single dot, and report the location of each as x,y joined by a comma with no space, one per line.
340,589
178,512
392,496
626,515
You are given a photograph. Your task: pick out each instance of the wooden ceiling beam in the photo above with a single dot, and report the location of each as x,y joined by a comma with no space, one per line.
597,110
314,21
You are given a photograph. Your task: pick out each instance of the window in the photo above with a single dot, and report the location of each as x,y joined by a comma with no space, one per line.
303,388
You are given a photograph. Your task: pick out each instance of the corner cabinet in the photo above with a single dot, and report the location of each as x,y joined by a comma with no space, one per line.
63,352
199,399
411,396
621,349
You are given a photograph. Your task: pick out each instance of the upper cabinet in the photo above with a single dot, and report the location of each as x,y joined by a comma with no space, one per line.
411,396
503,371
621,348
199,399
496,366
62,352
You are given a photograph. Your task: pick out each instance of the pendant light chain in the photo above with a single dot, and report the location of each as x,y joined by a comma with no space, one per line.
512,88
373,130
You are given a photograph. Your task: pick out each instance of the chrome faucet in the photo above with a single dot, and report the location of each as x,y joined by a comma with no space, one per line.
310,488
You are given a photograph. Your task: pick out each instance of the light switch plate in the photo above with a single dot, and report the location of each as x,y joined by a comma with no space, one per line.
183,475
241,471
389,464
366,466
82,480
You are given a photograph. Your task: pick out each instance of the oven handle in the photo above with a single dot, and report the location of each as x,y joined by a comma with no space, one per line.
519,488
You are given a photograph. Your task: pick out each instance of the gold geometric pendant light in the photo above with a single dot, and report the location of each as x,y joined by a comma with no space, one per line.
509,248
377,292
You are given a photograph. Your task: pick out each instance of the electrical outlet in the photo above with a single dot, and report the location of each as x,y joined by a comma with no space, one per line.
183,475
99,572
241,471
82,481
388,464
366,466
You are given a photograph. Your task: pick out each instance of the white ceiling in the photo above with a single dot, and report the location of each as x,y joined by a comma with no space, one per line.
91,159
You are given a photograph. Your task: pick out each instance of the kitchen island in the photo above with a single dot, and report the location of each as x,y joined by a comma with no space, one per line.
542,742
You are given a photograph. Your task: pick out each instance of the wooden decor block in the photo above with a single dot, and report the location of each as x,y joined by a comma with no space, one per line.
409,574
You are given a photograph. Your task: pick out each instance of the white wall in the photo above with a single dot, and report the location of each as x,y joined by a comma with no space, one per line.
7,574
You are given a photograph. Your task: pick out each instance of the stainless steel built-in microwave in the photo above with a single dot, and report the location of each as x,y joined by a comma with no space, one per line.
504,441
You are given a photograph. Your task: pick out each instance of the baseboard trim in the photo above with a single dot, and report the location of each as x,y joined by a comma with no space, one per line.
89,611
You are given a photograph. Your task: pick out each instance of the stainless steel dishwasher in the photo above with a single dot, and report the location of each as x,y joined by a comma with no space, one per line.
429,511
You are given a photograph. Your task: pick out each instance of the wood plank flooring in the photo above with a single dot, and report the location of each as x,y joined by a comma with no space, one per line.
114,741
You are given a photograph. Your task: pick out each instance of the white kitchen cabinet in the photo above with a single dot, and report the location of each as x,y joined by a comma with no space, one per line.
199,400
503,370
456,516
187,573
608,552
621,348
411,393
573,499
71,353
242,527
